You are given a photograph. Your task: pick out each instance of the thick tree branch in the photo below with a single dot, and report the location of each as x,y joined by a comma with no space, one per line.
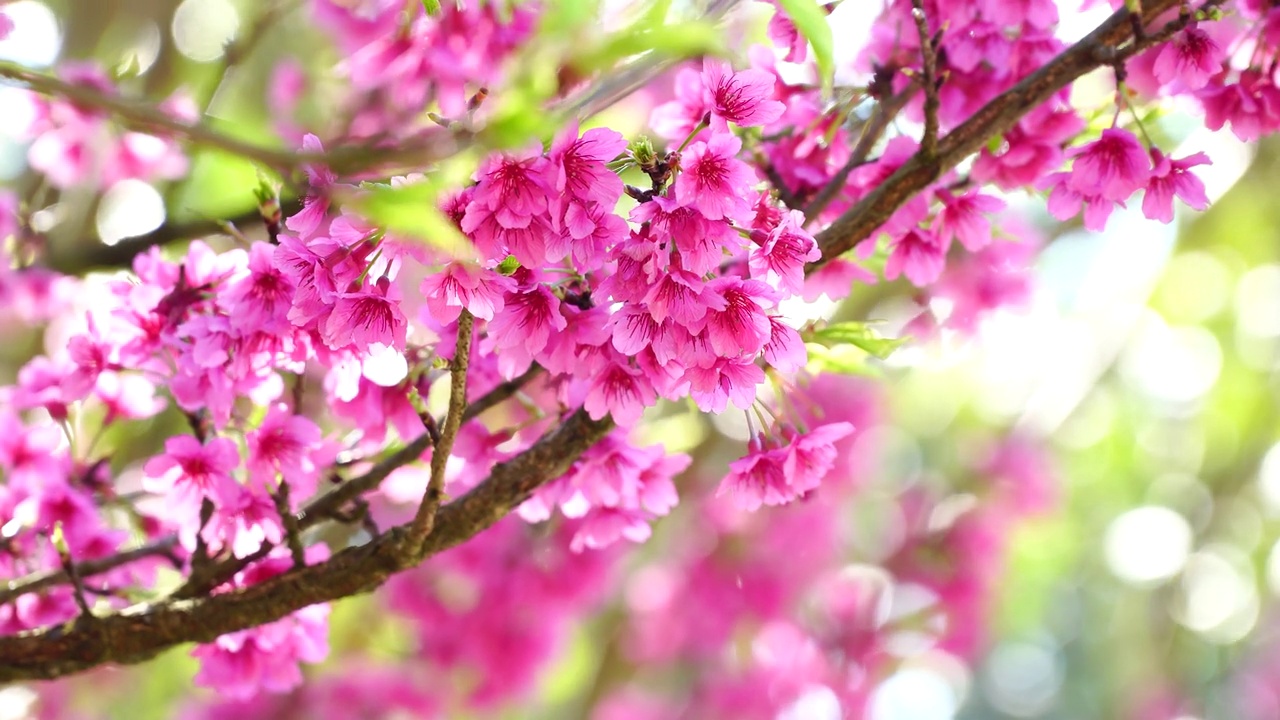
143,631
1103,46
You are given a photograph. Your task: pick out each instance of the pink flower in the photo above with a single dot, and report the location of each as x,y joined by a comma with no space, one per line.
244,663
785,349
282,446
524,325
918,254
462,285
364,318
759,478
1191,58
712,178
1113,167
511,188
739,326
964,218
683,297
674,120
261,299
1065,203
783,255
742,98
811,455
1170,179
577,169
188,471
724,381
621,391
6,25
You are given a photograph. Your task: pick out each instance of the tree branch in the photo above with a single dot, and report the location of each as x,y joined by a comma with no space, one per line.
993,119
145,117
426,515
143,631
86,569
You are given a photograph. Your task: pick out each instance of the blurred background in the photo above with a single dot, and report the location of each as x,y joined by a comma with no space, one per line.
1133,571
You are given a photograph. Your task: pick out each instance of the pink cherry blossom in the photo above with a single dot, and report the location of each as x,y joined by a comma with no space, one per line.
1170,179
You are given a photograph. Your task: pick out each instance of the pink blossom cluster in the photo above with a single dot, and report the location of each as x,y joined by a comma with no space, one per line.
74,144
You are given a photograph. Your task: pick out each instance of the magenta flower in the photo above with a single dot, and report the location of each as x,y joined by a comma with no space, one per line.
724,381
759,478
621,391
189,471
784,254
525,324
262,298
511,188
712,178
683,297
462,285
576,166
1191,58
364,318
964,218
674,120
1113,167
242,664
918,254
785,350
742,98
739,326
1065,203
811,455
1170,179
282,446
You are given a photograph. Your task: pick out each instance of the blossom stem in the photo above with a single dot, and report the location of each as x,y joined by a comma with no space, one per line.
290,522
424,520
706,122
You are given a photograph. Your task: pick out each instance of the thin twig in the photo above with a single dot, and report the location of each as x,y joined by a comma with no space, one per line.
928,80
145,117
425,518
883,114
87,569
292,537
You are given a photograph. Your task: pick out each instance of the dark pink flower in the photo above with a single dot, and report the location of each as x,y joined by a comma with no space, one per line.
366,317
189,471
524,325
785,252
918,254
282,446
621,391
577,166
463,285
811,455
1191,58
785,350
739,326
712,179
1114,166
1170,179
742,98
964,218
759,478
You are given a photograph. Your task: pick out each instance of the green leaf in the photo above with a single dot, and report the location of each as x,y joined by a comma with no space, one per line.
411,210
858,334
431,6
811,20
844,360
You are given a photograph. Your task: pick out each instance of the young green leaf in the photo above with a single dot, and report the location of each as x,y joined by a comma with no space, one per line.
857,334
